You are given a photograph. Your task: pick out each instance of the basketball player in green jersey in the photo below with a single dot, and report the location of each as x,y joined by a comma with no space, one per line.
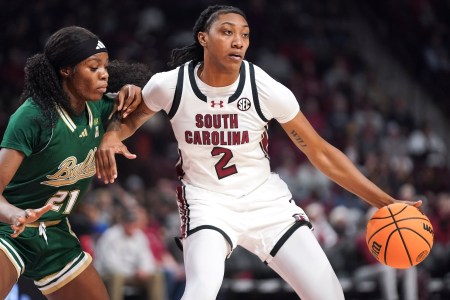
47,162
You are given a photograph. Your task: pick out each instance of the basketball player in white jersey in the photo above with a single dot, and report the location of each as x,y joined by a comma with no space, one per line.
219,106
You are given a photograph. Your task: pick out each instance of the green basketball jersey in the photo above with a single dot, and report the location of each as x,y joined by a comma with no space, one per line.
59,161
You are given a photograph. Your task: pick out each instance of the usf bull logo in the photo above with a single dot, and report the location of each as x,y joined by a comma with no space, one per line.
70,171
375,249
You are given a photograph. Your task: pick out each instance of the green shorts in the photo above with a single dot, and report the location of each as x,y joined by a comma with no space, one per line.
50,256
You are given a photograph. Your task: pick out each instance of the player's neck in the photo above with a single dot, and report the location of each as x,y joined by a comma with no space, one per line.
217,76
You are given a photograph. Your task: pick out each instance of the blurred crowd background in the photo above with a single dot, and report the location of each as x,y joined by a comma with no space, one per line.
371,76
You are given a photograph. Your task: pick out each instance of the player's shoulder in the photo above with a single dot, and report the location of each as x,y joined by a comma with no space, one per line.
28,110
164,77
162,84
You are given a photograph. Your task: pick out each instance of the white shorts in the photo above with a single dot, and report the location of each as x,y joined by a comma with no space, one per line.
260,221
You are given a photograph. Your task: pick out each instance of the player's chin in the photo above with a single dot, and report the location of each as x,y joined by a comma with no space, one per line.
95,95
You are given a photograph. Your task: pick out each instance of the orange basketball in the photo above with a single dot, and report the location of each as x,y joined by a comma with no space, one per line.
399,235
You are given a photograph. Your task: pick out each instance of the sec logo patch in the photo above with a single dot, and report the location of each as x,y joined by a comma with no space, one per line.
244,104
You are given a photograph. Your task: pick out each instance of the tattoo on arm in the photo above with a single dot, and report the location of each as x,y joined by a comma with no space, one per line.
297,139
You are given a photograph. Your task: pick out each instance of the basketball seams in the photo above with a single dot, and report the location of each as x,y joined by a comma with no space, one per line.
380,229
389,224
401,238
399,212
416,232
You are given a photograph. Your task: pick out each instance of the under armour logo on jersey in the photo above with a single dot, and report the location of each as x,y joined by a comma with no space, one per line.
214,103
100,45
244,104
83,133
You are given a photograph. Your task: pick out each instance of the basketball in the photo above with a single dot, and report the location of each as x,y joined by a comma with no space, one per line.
399,235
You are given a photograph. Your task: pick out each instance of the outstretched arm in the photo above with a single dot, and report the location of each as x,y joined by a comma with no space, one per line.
118,130
10,161
335,164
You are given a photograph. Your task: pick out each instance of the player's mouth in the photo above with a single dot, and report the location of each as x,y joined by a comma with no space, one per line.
235,56
102,90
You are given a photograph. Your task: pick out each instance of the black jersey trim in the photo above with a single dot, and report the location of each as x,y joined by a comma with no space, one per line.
255,92
287,234
178,91
203,97
227,238
241,84
193,83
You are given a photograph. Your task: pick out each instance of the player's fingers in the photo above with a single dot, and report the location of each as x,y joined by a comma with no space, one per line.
40,211
133,101
122,96
127,153
113,111
103,163
17,230
110,171
126,97
417,203
99,165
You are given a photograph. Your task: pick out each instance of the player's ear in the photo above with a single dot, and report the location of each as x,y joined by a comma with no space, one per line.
65,72
202,38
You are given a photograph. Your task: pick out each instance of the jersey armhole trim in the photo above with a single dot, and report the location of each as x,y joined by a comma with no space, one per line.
255,93
178,92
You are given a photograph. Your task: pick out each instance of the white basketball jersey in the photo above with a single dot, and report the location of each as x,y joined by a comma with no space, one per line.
221,131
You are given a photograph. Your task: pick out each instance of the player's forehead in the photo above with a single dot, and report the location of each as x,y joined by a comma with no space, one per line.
230,19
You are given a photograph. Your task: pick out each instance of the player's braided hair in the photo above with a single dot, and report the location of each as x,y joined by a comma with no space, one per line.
194,51
42,81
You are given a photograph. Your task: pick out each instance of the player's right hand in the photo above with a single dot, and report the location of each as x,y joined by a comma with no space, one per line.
105,160
27,216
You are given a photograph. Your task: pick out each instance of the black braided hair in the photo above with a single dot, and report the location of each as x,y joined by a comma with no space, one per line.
122,73
42,79
194,51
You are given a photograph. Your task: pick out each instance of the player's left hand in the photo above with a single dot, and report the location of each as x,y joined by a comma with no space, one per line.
27,216
127,100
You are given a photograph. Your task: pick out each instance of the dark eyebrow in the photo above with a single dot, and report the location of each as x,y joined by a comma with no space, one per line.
232,24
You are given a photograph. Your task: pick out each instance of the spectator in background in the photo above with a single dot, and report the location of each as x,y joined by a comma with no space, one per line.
172,269
440,219
426,147
323,230
124,260
344,221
